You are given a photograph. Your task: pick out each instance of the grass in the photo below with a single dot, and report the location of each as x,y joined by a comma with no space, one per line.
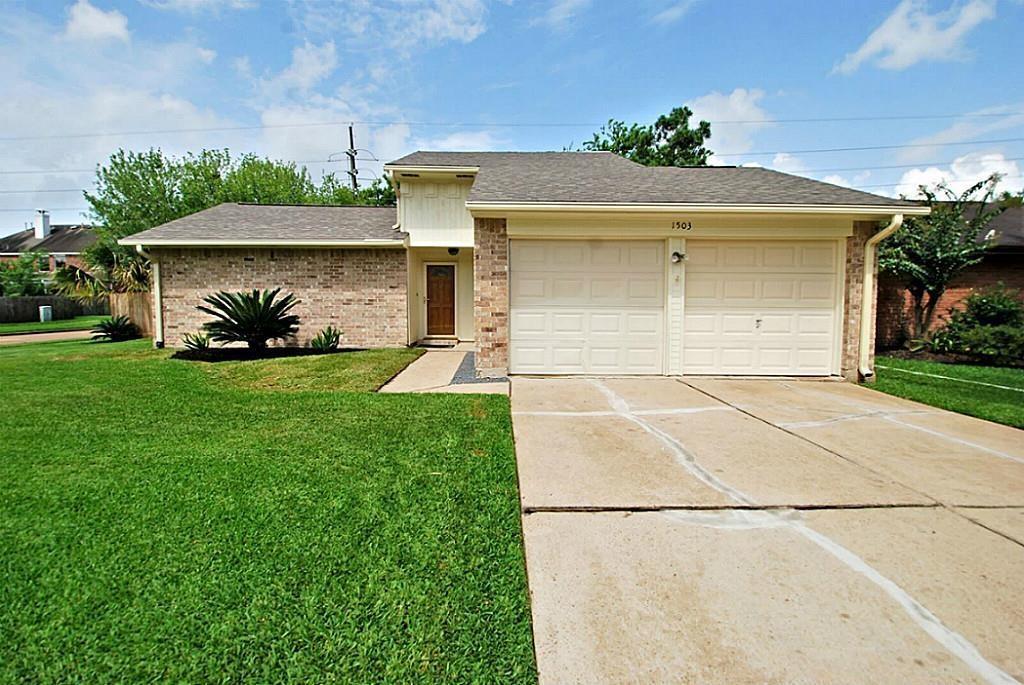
79,323
164,520
982,401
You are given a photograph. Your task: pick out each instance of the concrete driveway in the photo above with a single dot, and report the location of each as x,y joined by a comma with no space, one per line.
756,531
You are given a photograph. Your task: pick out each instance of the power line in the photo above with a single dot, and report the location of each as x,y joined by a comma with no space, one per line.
484,124
50,209
865,148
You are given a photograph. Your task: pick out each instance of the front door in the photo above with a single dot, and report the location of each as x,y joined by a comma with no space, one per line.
440,299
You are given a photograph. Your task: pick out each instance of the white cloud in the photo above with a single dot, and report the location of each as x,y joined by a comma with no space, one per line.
560,13
194,6
404,26
910,35
673,12
310,65
741,104
207,55
86,22
964,172
996,119
460,141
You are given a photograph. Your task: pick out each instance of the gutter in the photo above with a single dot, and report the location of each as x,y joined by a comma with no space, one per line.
158,300
216,242
867,303
676,208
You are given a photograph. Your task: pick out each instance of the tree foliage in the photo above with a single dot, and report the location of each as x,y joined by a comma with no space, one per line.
928,252
21,277
136,191
670,141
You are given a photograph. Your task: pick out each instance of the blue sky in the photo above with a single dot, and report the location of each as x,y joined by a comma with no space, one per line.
473,74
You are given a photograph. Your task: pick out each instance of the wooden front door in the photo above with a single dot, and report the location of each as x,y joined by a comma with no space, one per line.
440,299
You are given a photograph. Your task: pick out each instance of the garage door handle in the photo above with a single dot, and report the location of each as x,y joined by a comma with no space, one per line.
757,323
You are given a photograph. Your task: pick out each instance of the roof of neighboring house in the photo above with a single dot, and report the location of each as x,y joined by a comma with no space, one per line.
1009,228
63,239
242,223
606,178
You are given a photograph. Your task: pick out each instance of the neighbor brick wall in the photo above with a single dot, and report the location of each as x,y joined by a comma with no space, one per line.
852,297
362,292
894,301
490,297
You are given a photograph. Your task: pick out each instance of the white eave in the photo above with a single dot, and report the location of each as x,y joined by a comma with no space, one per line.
432,169
677,208
215,242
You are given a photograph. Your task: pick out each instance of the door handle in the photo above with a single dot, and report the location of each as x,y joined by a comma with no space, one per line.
757,323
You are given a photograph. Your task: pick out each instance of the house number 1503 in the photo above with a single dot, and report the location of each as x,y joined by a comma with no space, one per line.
682,226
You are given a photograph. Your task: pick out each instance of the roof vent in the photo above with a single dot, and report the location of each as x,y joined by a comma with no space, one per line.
42,224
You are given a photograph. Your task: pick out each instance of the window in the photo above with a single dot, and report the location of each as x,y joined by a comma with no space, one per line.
44,263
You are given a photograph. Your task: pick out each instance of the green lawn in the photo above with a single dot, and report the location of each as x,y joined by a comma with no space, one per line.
163,520
965,394
79,323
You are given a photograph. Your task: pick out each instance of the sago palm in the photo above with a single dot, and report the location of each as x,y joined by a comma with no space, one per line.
251,317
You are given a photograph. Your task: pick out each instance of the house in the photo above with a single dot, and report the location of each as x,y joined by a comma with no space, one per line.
1004,263
59,244
559,263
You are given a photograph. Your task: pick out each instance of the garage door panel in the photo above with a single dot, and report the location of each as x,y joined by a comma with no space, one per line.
599,307
763,308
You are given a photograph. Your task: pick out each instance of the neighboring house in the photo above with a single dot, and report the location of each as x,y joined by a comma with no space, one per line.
1004,264
59,244
557,263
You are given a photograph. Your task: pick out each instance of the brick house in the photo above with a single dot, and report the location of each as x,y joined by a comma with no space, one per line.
60,244
1004,264
559,263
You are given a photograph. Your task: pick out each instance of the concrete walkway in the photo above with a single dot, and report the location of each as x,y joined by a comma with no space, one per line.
746,531
44,337
442,370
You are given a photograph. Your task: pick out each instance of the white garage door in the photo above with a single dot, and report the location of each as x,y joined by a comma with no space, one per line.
760,308
587,307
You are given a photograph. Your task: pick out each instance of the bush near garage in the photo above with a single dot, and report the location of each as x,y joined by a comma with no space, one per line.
989,329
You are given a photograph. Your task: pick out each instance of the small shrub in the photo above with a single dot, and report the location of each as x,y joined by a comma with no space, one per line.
989,328
994,306
326,340
1003,345
115,329
196,341
251,317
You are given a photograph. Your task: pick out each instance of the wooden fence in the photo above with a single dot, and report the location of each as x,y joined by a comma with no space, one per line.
24,309
136,306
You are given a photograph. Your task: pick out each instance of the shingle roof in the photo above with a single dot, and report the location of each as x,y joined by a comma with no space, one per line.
1009,228
276,224
63,239
602,178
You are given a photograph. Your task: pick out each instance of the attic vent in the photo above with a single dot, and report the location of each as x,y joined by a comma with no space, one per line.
463,175
410,175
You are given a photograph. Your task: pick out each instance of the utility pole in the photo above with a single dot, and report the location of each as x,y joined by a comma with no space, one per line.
351,152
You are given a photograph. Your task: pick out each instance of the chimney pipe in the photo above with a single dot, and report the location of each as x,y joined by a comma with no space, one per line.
42,224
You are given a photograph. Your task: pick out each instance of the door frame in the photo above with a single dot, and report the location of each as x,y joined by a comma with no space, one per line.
455,299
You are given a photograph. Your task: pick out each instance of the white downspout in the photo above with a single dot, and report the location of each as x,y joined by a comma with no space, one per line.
867,304
158,300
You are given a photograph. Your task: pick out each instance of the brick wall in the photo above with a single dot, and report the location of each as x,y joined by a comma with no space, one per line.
490,297
362,292
894,302
852,297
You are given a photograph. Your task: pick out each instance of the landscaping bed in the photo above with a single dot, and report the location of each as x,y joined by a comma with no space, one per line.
164,521
242,354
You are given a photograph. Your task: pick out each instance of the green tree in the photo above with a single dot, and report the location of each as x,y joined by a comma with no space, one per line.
136,191
670,141
21,276
928,252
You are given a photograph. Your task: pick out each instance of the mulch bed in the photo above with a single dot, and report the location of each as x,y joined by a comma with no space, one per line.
244,354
